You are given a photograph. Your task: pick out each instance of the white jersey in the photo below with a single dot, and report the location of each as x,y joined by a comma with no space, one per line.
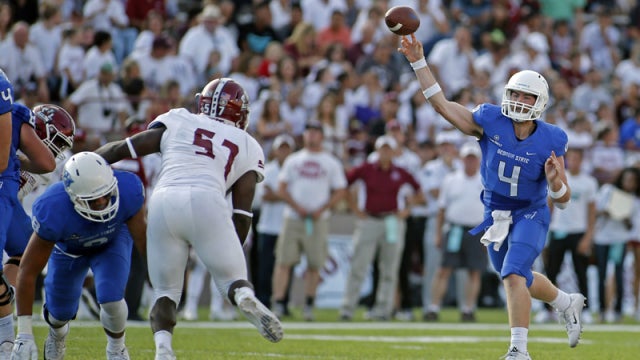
32,185
217,154
310,178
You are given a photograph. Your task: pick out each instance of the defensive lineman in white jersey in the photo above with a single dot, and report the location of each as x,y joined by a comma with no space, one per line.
204,157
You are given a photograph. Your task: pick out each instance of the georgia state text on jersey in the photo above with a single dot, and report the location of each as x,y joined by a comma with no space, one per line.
217,154
19,115
55,219
512,169
6,94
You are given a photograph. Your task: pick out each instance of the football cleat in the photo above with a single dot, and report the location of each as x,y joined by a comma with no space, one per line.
264,320
514,354
572,320
118,355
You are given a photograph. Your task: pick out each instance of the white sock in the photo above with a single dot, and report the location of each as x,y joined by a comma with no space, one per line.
519,339
162,339
434,308
6,328
562,301
114,344
61,331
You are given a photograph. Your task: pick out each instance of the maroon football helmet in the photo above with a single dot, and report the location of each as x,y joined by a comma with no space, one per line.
55,127
226,101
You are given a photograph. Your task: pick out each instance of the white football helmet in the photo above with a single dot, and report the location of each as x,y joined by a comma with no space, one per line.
529,82
86,177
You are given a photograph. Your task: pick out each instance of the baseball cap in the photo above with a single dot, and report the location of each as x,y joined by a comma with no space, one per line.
313,124
449,137
537,42
470,148
386,140
210,12
106,67
284,139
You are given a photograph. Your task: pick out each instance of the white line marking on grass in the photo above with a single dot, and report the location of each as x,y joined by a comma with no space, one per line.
423,339
364,326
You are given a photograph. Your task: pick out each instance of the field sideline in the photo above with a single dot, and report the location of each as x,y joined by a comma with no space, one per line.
358,340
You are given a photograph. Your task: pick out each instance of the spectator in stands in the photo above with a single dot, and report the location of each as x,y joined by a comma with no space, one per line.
336,32
270,123
99,54
70,62
593,92
615,225
301,45
109,16
534,55
600,39
208,35
100,107
153,26
5,22
380,228
22,63
257,34
138,12
46,36
607,156
311,182
451,61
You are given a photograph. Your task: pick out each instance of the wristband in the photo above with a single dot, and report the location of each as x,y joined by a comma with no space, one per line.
132,151
432,90
24,325
558,194
242,212
422,63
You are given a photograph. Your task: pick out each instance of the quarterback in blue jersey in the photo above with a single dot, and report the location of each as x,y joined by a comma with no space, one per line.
522,172
6,104
14,222
89,220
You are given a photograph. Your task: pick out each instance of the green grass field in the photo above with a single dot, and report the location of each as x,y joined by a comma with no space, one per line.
328,339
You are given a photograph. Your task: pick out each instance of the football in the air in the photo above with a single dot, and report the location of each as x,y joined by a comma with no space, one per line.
402,20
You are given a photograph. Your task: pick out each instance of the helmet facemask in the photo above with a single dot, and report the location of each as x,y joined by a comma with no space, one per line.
88,177
529,82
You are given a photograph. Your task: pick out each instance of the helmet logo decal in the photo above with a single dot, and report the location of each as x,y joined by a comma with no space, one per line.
66,179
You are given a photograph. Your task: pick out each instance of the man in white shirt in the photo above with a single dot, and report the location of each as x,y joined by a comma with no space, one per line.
312,182
209,35
460,210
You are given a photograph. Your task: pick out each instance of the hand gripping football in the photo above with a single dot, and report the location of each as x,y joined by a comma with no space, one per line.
402,20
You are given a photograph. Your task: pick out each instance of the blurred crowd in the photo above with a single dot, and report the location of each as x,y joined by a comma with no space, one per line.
116,64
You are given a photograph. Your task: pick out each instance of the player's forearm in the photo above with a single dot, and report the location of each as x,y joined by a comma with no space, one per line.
242,224
114,151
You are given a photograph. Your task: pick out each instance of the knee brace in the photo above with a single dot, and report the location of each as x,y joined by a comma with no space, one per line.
113,315
55,323
8,295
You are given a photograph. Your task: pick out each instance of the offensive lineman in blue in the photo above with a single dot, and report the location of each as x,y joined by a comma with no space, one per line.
89,220
35,157
522,169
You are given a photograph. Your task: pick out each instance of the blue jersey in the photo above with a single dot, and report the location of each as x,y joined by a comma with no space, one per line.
11,176
513,170
6,94
55,219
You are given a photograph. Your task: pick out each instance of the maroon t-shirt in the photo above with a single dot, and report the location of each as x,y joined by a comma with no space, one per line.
381,186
